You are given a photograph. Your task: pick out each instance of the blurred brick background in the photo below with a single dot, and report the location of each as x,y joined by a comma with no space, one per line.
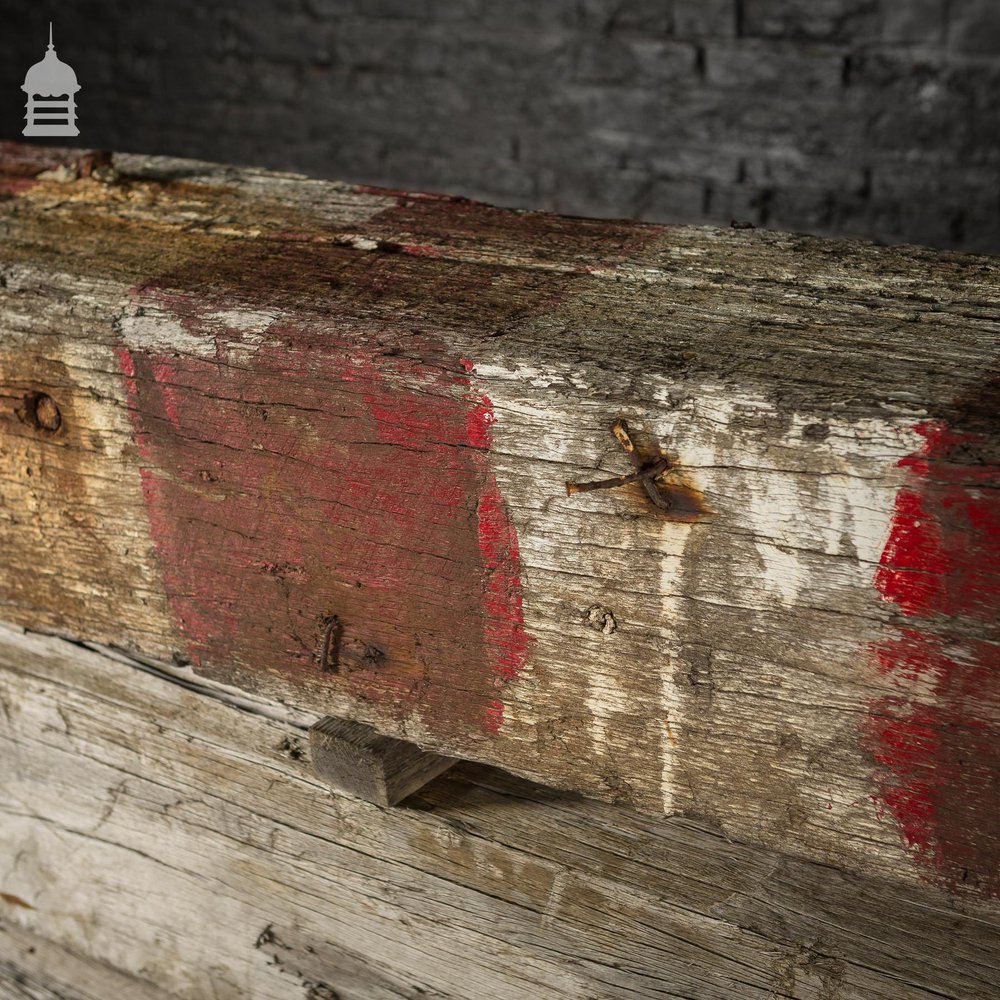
877,118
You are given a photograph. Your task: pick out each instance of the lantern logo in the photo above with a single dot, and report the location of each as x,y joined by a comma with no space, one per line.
51,87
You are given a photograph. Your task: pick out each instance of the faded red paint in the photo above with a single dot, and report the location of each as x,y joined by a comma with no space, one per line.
480,416
506,639
309,476
494,717
163,374
12,186
936,738
415,250
341,466
21,164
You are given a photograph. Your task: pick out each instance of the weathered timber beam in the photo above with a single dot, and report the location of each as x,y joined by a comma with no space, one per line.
237,407
165,832
34,968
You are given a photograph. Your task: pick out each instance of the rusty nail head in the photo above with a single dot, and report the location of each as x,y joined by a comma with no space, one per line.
645,474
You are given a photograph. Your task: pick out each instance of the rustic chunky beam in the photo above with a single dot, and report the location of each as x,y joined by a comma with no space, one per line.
170,834
237,407
34,968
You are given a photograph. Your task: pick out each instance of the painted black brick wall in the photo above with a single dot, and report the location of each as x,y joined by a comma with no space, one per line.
876,118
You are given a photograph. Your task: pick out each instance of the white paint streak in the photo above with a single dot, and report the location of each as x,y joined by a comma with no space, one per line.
357,242
672,541
808,512
799,495
247,322
149,326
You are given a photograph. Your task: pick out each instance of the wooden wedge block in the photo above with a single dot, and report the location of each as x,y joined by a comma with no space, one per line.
357,759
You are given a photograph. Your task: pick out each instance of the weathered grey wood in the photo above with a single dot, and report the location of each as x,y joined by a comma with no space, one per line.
32,968
184,839
283,402
356,759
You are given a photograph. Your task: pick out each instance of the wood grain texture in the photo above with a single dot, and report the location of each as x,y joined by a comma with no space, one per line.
33,968
358,760
283,400
182,839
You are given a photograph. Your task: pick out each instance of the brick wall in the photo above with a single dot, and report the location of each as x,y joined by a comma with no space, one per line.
874,118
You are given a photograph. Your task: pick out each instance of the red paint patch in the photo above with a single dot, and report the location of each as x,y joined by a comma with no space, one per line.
480,417
163,373
367,473
506,639
354,444
13,186
494,716
936,743
421,251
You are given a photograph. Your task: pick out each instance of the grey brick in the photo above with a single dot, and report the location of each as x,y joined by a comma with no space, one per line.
636,61
740,202
702,19
790,168
659,60
982,219
749,63
919,101
382,10
813,20
669,199
915,22
607,61
650,17
713,164
974,27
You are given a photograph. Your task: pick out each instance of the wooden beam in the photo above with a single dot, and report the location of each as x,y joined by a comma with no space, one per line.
236,405
180,837
34,968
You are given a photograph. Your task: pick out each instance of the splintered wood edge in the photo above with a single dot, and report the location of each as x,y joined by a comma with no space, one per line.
355,758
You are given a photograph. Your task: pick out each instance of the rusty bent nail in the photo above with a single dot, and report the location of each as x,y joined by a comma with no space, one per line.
645,474
609,484
329,659
620,430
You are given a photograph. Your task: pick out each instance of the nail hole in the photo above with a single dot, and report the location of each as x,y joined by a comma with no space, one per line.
39,410
816,432
601,619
